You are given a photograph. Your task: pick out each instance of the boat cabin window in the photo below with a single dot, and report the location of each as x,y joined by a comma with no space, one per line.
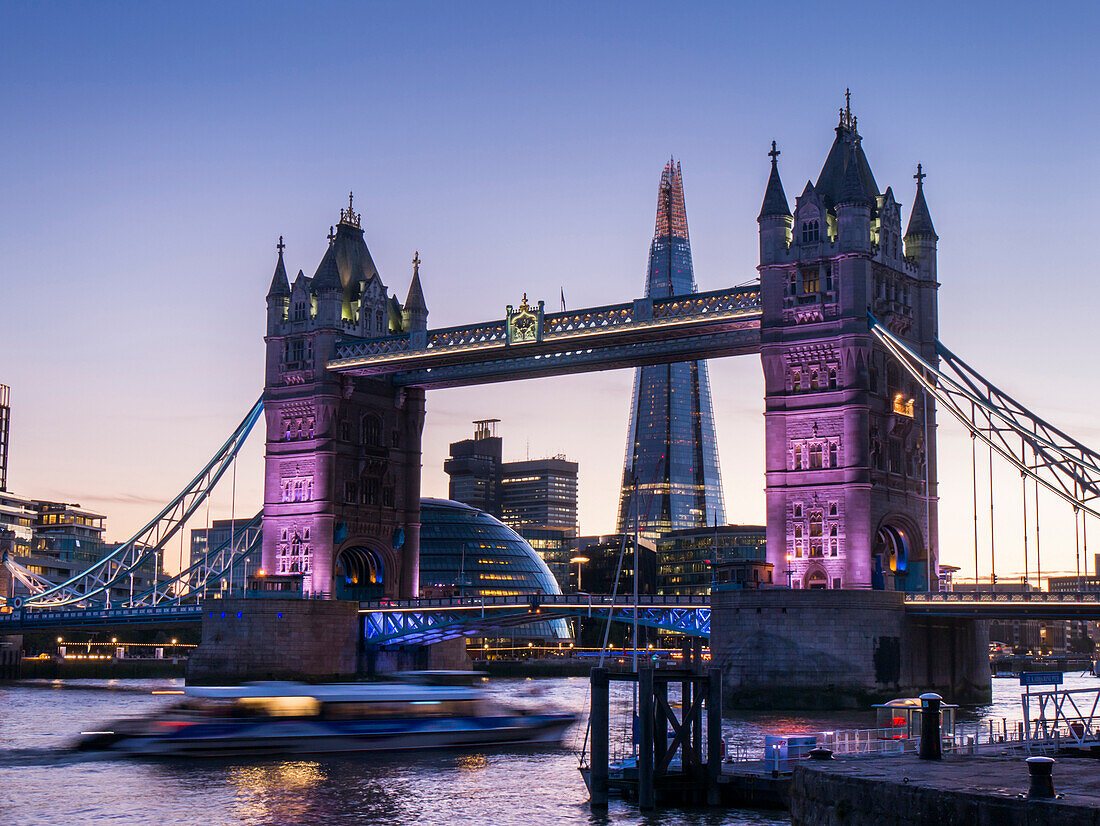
277,707
400,708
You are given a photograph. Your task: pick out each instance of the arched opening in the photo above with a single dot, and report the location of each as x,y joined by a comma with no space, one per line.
901,557
358,574
816,580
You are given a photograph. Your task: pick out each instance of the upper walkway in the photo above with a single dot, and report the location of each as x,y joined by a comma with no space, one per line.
529,343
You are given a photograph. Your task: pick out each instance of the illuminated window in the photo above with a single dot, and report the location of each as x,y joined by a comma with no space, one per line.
815,456
810,280
815,523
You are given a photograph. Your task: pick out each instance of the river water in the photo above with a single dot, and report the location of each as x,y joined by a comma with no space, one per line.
40,782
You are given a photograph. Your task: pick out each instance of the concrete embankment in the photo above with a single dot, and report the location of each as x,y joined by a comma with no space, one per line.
964,791
41,668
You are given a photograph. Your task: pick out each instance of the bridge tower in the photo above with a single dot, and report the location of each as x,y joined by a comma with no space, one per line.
342,482
850,438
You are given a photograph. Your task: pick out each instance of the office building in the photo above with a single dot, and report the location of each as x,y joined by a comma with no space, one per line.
474,469
671,478
687,559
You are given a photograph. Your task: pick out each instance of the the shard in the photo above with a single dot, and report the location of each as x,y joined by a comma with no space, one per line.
671,478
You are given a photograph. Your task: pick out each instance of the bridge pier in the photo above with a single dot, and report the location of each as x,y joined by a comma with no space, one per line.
11,656
301,639
842,649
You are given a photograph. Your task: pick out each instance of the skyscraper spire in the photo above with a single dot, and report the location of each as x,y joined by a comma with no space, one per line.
671,212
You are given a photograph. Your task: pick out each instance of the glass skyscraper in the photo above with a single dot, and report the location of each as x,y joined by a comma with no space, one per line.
671,478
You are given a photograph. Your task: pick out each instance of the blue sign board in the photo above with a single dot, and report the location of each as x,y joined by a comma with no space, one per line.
1040,678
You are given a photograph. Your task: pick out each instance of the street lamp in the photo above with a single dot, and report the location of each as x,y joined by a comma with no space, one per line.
578,561
790,571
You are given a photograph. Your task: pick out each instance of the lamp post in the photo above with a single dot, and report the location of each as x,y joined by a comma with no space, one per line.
790,571
578,561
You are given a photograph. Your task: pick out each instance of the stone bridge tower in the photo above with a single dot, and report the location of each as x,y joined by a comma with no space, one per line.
342,483
850,437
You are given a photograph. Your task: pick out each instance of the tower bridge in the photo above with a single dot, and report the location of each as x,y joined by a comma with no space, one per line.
844,319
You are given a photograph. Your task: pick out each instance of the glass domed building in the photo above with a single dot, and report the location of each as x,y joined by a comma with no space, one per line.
468,552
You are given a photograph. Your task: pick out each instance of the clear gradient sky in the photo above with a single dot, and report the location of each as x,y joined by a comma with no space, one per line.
153,153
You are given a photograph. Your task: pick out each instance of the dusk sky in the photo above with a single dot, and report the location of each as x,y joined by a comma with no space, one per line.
154,153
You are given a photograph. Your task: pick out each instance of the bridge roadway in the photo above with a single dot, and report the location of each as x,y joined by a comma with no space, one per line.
421,621
640,332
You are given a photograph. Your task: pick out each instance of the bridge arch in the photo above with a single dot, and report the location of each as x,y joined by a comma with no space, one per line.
362,571
901,553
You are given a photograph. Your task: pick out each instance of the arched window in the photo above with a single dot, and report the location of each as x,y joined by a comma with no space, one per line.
378,319
832,378
372,431
815,456
370,489
305,534
299,311
834,454
810,232
309,430
815,380
289,428
815,523
798,511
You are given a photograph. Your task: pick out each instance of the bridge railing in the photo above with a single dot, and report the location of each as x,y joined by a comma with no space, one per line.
1005,597
572,600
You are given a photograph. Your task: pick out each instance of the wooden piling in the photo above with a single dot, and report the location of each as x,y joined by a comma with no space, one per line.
646,797
598,755
714,736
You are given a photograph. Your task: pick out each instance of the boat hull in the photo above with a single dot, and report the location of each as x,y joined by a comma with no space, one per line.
228,738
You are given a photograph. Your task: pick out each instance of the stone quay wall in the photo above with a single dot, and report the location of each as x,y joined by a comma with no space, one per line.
276,639
782,648
905,791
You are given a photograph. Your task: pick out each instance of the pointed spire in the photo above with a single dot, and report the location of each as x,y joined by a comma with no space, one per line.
671,211
852,191
775,199
280,287
920,221
415,299
414,315
327,276
349,216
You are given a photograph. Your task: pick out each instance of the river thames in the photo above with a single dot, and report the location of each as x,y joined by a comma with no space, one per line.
41,782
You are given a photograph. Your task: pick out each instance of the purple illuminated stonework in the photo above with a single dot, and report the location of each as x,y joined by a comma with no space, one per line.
850,440
342,484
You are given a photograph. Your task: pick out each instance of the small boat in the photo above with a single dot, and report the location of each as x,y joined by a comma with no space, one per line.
294,718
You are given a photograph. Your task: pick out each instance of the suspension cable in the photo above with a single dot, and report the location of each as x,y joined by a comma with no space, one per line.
974,489
992,545
1023,510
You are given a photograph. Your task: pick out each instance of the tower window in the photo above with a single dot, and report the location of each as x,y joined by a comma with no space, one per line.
796,380
832,509
372,431
834,454
798,511
815,523
829,278
810,232
815,456
378,319
832,378
300,311
811,281
815,380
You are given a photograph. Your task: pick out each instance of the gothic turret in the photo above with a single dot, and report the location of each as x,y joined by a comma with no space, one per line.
853,205
414,315
775,215
920,235
326,288
278,297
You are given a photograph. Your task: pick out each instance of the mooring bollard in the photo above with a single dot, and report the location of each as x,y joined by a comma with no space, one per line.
931,743
1041,770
